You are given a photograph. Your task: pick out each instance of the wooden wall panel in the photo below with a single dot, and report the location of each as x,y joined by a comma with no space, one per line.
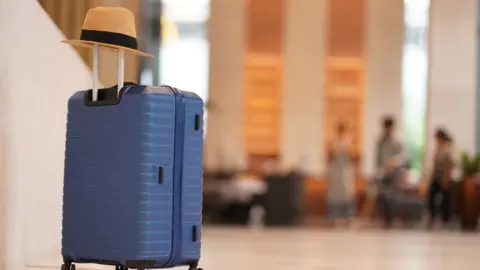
344,94
69,16
263,80
344,88
346,28
265,26
345,75
262,105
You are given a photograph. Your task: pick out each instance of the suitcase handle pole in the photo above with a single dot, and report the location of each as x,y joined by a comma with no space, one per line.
96,49
121,69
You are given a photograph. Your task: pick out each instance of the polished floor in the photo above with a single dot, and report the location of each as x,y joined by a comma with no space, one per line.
322,249
243,249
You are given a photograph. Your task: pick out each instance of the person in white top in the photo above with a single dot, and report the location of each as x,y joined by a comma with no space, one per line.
341,182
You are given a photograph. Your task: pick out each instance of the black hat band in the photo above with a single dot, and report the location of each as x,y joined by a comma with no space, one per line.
110,38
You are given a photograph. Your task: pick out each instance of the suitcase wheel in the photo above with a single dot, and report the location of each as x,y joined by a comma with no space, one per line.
68,266
194,266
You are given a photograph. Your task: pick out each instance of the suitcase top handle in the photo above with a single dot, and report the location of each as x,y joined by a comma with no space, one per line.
106,96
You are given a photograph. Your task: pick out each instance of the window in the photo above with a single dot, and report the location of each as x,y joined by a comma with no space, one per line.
175,33
415,72
415,36
184,50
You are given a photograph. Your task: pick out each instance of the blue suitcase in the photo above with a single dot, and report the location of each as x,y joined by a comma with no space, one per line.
133,178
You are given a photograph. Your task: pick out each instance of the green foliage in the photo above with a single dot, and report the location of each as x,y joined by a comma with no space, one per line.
470,164
415,135
415,156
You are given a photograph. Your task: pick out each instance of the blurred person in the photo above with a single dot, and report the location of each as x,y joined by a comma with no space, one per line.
340,179
388,156
398,196
440,181
390,189
389,149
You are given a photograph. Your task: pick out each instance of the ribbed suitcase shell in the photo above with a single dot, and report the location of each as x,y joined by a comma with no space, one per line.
115,210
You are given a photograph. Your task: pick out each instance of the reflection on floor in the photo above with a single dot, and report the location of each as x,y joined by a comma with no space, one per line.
304,249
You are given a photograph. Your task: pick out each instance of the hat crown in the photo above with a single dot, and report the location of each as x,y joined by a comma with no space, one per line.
111,19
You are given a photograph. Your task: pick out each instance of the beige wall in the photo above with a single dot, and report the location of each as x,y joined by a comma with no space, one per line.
452,79
224,139
37,82
5,115
303,82
383,90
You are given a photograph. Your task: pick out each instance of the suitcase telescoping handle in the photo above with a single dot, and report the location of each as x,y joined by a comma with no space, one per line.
120,75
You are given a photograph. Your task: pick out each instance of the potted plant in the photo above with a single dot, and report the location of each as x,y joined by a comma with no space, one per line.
469,195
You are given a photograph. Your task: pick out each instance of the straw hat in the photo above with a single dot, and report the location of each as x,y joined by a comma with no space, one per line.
110,27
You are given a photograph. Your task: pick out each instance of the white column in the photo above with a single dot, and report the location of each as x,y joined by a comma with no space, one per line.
5,116
452,78
224,138
383,89
303,82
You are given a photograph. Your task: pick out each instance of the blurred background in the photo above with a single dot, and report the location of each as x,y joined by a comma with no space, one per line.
326,121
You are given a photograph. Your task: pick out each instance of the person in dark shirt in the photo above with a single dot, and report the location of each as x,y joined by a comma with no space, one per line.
389,155
389,149
440,182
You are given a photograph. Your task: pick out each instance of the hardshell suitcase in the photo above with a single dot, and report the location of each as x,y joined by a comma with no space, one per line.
133,178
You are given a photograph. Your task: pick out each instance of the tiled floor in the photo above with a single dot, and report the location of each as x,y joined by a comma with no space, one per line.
242,249
322,249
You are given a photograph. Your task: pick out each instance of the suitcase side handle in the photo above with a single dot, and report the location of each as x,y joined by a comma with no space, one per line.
160,175
197,122
194,233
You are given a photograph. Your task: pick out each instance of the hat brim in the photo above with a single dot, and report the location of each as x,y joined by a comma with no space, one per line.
90,44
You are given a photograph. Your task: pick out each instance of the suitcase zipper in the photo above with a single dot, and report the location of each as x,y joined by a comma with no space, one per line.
177,200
